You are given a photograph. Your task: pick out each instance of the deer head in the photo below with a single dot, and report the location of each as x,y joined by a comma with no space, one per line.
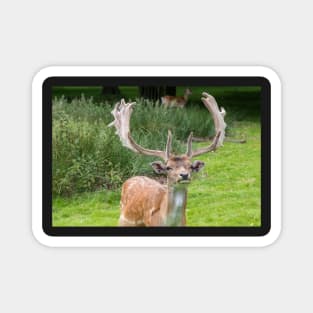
177,168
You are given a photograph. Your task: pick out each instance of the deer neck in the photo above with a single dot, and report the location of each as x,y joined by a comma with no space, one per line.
176,205
186,96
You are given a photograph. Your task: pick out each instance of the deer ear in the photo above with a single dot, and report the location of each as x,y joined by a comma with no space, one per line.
197,166
158,167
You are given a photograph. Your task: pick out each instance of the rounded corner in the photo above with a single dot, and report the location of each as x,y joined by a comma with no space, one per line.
42,75
272,236
271,75
41,236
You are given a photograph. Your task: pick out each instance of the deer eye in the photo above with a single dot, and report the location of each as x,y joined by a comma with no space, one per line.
168,168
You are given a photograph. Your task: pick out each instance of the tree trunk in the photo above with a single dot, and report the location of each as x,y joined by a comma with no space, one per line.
155,93
170,90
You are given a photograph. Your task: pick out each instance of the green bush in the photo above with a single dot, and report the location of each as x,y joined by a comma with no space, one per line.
88,156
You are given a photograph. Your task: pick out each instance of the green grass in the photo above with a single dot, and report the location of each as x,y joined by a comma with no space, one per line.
88,209
225,193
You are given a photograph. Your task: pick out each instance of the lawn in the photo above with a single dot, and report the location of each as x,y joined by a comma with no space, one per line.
225,193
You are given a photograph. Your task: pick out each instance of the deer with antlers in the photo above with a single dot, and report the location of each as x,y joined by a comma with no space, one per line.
179,102
146,202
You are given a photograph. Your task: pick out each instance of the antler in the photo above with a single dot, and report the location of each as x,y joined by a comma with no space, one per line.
219,123
122,113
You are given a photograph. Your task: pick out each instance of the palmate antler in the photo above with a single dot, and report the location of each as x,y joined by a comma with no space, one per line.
122,114
219,124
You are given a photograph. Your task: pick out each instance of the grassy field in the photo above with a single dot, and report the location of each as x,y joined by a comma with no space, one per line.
87,176
225,193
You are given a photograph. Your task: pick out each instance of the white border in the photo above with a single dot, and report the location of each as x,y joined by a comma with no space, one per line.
249,241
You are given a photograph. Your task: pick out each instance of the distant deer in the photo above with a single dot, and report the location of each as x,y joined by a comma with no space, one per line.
179,102
146,202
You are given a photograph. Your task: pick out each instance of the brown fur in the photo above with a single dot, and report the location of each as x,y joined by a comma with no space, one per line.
146,202
141,201
179,101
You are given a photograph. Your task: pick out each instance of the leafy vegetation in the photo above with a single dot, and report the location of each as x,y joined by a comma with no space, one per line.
88,156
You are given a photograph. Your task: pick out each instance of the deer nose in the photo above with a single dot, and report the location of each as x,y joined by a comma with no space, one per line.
184,176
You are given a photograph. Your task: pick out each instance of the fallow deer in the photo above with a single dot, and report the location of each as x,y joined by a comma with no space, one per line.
173,101
146,202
